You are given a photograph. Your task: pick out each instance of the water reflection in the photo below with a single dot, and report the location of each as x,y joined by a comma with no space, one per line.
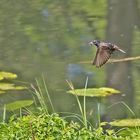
77,75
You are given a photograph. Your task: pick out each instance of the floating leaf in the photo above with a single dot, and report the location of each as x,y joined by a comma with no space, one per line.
126,123
103,123
18,104
1,92
20,87
8,86
94,92
7,75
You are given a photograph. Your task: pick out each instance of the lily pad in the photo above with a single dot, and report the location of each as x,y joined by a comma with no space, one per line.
94,92
1,91
18,104
126,123
9,86
7,75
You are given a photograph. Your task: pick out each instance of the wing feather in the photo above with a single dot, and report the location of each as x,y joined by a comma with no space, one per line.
102,55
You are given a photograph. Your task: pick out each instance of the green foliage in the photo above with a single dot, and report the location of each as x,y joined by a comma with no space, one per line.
129,133
94,92
42,127
18,104
53,127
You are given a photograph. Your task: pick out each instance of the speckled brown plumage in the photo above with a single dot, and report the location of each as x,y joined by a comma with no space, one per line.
104,51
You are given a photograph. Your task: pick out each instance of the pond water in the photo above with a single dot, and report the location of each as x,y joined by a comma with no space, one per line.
50,38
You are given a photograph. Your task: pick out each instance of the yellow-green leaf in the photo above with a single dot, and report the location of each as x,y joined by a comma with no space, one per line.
9,86
126,123
94,92
1,92
7,75
18,104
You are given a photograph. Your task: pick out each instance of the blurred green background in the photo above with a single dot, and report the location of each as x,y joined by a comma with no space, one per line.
50,37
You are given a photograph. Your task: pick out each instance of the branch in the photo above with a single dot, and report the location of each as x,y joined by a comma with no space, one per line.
117,60
124,59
